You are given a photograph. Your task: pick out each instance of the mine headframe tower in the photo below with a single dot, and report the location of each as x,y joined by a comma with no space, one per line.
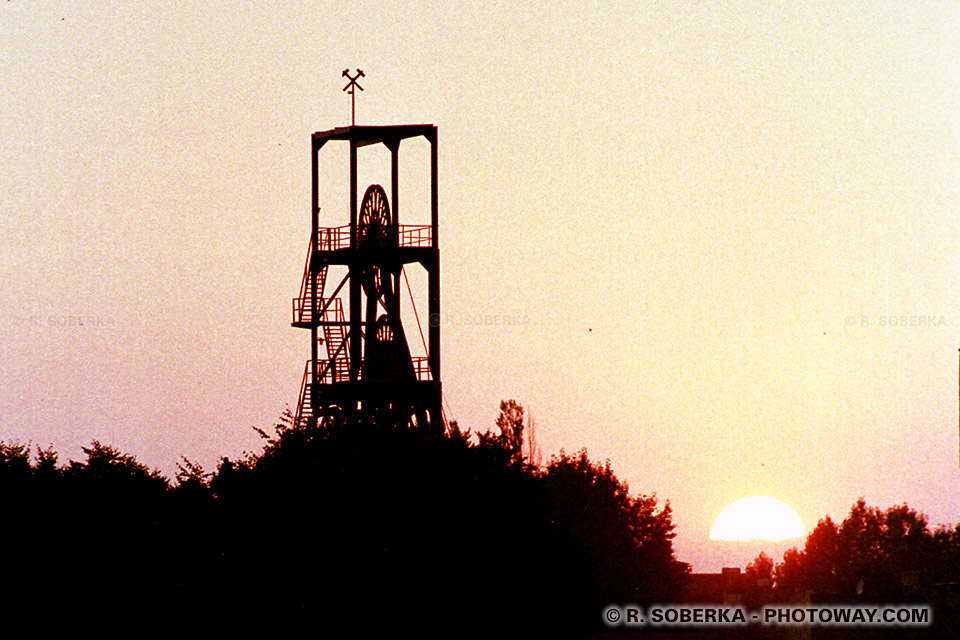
361,364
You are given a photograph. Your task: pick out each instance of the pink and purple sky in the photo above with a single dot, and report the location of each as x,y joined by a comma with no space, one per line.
715,243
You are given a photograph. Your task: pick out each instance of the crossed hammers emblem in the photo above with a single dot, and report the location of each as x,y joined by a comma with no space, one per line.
351,88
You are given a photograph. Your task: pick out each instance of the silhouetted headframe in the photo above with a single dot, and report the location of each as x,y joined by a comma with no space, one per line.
361,364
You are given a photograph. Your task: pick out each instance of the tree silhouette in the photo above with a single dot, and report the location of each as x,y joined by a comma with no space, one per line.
615,547
451,527
363,527
510,424
758,581
872,554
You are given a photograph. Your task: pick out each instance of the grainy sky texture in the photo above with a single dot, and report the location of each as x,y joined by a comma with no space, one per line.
716,243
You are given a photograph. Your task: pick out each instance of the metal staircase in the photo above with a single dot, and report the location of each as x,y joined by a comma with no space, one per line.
329,317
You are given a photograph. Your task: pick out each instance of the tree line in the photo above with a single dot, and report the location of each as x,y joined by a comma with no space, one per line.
873,555
371,527
364,526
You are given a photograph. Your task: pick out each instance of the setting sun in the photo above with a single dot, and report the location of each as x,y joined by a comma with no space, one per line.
758,518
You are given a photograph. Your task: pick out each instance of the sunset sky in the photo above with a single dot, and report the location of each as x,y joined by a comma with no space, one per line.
716,243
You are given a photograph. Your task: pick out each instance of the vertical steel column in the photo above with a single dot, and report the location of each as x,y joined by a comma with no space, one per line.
394,146
434,272
356,313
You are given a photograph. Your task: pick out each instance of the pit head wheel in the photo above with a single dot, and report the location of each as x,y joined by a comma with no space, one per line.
375,226
376,229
